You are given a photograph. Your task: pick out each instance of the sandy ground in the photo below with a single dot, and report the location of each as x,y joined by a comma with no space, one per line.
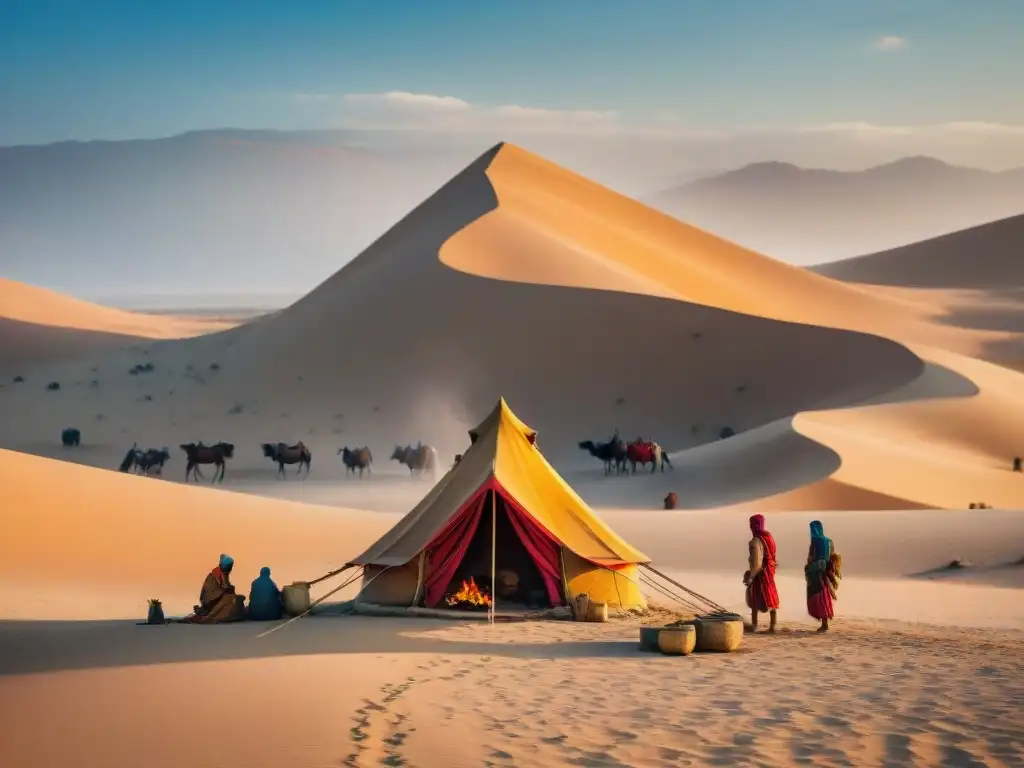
331,690
882,409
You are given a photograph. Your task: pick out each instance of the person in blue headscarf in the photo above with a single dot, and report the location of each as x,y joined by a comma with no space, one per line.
822,574
218,602
265,598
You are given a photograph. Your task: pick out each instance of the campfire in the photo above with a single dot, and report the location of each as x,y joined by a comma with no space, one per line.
469,595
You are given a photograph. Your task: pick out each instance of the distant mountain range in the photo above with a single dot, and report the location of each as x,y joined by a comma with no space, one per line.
807,216
275,212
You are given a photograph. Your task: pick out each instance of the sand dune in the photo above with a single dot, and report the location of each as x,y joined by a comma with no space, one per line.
523,279
38,326
982,257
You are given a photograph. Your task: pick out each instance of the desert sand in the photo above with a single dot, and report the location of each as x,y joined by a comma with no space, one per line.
868,405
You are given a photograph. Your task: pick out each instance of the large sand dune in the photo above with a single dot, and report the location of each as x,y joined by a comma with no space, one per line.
589,312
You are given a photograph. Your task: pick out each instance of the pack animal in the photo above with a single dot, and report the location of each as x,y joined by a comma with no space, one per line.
216,454
358,459
148,462
282,453
612,453
644,452
419,459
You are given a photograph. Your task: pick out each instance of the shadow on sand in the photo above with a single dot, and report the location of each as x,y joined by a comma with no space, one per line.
46,646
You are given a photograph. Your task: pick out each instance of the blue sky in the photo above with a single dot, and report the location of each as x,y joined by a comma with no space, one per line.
89,69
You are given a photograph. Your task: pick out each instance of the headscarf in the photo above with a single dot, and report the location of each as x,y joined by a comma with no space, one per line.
226,561
264,572
821,545
757,524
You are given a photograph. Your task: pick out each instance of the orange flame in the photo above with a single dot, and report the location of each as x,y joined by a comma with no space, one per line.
470,593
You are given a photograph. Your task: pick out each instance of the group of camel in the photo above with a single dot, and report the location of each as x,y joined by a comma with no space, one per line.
616,453
419,459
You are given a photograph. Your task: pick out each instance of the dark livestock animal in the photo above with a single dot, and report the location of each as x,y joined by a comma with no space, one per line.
71,437
283,454
419,459
145,462
646,452
216,454
356,459
612,453
151,461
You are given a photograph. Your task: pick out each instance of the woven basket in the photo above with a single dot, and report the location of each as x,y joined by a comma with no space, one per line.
677,641
719,634
295,598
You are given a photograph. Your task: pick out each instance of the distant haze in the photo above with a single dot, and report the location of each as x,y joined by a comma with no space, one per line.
253,219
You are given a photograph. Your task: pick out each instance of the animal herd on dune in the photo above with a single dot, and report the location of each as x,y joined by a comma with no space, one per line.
357,461
618,456
616,453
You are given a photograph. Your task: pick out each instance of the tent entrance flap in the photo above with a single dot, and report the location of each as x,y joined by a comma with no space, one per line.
526,559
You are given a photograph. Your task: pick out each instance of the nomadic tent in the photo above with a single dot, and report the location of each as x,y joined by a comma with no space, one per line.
503,509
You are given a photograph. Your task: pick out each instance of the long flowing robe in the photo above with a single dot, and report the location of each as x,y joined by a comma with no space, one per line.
265,600
822,574
762,594
218,603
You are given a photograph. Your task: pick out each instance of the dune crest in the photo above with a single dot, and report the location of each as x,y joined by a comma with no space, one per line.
521,279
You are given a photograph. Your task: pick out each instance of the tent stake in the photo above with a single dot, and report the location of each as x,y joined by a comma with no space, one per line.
494,547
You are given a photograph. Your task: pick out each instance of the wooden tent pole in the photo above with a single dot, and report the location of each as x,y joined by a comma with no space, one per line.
494,547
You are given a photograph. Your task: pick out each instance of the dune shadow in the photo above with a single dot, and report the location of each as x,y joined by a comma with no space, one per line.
30,647
935,382
29,345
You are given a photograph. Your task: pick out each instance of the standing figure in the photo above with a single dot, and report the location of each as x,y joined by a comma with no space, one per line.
823,571
762,595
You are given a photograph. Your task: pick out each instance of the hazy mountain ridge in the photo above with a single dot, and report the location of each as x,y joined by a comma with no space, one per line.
276,211
810,215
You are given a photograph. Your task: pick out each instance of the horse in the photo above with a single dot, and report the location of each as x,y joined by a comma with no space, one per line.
71,437
645,452
612,453
216,454
357,459
283,454
151,460
143,462
418,459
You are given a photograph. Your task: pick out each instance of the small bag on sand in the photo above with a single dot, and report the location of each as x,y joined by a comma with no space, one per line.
156,612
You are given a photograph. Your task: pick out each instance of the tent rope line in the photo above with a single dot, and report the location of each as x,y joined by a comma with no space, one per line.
716,608
319,600
666,593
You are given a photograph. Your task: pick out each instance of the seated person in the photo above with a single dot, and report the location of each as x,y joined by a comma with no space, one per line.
265,598
218,602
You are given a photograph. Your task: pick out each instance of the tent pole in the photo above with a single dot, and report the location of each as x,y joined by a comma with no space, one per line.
494,546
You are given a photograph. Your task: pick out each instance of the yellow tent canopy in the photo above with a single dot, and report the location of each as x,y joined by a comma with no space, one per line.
548,545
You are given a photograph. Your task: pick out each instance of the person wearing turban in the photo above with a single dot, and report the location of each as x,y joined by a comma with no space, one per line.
218,602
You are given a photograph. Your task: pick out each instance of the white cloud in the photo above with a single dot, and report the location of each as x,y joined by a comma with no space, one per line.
516,111
405,98
889,43
963,127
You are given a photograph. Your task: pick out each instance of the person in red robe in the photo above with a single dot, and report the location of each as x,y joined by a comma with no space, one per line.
762,594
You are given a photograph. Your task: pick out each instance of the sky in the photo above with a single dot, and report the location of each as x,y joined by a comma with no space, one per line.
949,70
